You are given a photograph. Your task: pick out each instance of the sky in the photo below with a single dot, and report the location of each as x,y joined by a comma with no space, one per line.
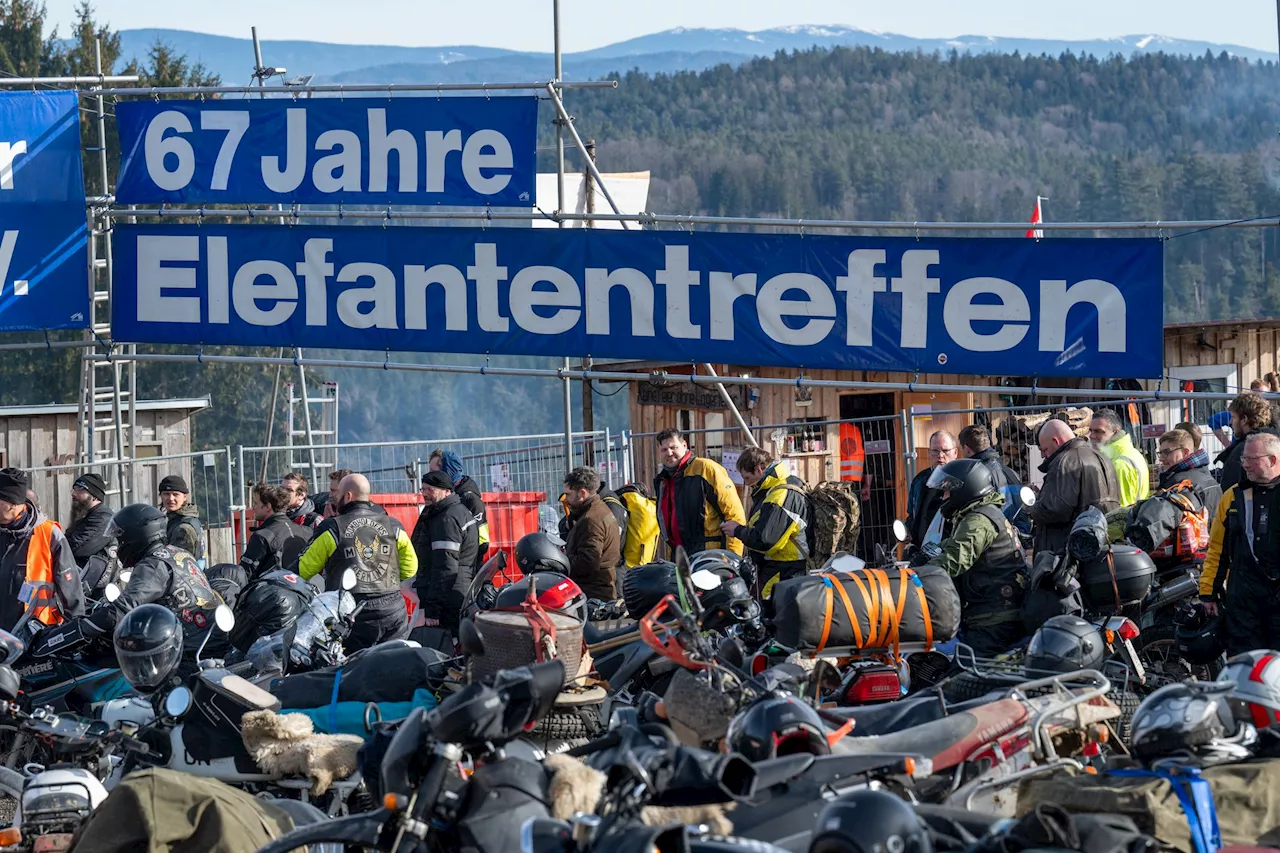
586,24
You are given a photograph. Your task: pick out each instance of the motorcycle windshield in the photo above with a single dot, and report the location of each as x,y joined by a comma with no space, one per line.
267,653
491,569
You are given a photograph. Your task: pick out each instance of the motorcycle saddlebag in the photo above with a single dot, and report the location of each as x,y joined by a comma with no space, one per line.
499,798
1245,795
866,615
269,604
211,729
390,674
1134,573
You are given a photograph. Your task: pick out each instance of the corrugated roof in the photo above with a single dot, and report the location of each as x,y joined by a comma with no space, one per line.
187,404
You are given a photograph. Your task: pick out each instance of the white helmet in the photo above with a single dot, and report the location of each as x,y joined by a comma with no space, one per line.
1256,676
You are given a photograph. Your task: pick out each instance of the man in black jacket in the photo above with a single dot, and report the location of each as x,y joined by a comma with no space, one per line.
924,520
975,443
446,539
468,492
301,509
88,534
363,538
1249,412
1179,460
277,542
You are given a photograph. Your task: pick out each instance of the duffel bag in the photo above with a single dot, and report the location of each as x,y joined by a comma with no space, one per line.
867,609
390,674
1246,799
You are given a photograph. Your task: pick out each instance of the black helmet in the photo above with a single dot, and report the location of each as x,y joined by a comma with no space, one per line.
776,726
138,527
1191,717
554,591
148,643
1195,634
967,480
870,822
723,562
538,552
1065,644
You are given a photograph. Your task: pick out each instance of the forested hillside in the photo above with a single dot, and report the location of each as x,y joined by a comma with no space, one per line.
866,134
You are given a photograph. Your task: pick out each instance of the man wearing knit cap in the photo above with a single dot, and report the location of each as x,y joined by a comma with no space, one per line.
468,492
37,568
90,518
185,530
446,540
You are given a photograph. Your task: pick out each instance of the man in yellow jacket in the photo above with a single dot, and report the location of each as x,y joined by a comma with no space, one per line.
777,534
695,497
1106,431
1241,574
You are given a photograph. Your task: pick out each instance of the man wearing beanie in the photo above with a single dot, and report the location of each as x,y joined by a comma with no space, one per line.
185,530
37,567
90,518
468,492
446,538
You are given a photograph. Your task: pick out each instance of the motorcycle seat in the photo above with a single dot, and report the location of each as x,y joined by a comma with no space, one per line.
903,714
592,635
948,741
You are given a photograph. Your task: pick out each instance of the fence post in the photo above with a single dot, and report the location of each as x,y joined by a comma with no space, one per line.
244,523
908,446
608,457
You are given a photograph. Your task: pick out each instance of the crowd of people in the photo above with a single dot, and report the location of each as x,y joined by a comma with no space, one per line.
965,515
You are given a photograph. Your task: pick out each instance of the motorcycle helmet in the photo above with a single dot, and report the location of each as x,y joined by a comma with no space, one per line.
148,642
721,561
778,726
644,586
870,822
1189,718
539,552
965,481
554,591
1256,679
1065,644
1195,633
138,528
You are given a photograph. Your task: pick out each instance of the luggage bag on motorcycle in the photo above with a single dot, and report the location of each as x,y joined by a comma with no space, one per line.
868,608
1246,796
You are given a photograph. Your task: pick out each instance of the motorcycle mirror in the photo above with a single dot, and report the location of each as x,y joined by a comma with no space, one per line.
349,579
705,580
224,618
470,638
177,703
1027,495
900,530
10,684
126,576
112,592
731,653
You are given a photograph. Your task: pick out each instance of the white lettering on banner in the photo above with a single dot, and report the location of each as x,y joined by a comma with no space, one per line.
795,309
8,243
484,158
9,152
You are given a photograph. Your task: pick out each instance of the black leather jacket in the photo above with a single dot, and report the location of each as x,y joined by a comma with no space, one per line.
171,577
88,536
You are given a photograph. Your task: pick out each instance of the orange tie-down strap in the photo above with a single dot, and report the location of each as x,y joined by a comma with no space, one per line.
884,615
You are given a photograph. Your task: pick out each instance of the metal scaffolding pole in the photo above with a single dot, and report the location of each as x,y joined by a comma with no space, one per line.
387,89
81,80
668,379
687,221
562,119
733,407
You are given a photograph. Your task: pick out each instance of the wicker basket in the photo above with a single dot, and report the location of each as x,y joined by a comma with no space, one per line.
508,643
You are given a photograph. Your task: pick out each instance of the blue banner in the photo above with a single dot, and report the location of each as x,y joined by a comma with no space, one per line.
1059,307
408,151
44,248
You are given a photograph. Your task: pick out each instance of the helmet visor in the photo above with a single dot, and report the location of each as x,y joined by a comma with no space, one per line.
149,669
941,480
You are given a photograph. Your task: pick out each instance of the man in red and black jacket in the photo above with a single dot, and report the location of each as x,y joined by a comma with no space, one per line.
695,497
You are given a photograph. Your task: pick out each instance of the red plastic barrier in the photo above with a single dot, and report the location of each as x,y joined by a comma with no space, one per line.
512,515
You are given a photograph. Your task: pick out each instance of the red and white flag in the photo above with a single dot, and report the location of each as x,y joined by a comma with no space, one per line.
1036,218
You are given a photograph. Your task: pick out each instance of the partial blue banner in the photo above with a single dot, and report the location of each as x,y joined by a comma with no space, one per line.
408,151
1058,307
44,233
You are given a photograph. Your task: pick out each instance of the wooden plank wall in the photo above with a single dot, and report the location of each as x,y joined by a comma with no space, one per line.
45,440
1255,350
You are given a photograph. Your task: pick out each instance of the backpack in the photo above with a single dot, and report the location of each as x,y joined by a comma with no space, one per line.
1176,512
640,544
835,519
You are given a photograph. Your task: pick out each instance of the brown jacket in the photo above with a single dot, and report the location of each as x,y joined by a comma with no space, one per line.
594,547
1076,477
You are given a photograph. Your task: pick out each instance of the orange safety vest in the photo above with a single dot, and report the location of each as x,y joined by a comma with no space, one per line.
853,459
38,590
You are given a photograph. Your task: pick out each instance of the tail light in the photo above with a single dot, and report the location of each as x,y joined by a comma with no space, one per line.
1128,630
759,664
873,685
